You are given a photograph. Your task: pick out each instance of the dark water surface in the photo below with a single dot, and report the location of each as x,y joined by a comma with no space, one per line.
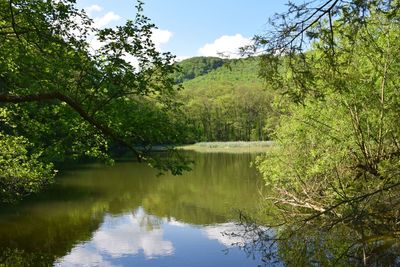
126,215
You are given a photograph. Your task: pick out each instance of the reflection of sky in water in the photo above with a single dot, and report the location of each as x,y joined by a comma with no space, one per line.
139,239
216,232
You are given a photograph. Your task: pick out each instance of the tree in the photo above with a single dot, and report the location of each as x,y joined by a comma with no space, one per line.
71,101
336,159
292,34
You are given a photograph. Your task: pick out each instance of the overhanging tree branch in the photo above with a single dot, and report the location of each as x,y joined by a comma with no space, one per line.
104,129
351,200
313,21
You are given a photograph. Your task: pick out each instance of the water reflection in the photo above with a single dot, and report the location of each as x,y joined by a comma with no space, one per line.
126,215
86,218
117,237
143,240
313,244
222,233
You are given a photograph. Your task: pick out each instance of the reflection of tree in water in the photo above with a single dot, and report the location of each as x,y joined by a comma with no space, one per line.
321,243
146,221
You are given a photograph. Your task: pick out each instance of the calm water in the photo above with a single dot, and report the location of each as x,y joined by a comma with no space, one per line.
125,215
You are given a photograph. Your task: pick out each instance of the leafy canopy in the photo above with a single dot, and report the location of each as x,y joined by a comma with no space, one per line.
61,99
336,163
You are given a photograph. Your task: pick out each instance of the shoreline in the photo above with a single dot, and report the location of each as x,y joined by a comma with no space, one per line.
229,147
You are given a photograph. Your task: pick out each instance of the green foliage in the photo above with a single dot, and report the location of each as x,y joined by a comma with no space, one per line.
333,177
228,104
197,66
71,102
337,155
22,172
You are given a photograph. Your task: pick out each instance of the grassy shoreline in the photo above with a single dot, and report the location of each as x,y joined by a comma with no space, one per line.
229,147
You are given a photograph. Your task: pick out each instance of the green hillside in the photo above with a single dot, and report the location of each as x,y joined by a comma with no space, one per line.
242,72
229,103
197,66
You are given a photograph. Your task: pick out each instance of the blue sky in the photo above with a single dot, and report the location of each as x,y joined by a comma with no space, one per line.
192,27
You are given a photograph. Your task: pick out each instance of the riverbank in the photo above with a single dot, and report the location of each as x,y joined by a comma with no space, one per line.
229,147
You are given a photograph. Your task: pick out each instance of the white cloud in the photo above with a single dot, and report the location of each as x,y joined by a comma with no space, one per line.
180,58
106,19
227,45
132,60
93,8
95,44
160,37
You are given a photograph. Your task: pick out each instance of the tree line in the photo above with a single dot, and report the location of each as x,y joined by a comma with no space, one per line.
229,103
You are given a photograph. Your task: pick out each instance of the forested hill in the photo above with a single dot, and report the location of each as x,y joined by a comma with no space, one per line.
196,66
233,72
229,103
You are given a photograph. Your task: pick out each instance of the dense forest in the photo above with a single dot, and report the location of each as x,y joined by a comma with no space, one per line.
227,103
196,66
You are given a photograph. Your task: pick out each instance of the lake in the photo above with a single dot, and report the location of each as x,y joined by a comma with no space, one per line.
126,215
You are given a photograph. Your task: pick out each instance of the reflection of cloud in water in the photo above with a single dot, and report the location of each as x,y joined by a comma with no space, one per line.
126,236
246,238
176,223
83,256
231,234
117,237
220,232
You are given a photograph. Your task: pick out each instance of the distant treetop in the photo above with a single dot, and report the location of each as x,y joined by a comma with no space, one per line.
197,66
